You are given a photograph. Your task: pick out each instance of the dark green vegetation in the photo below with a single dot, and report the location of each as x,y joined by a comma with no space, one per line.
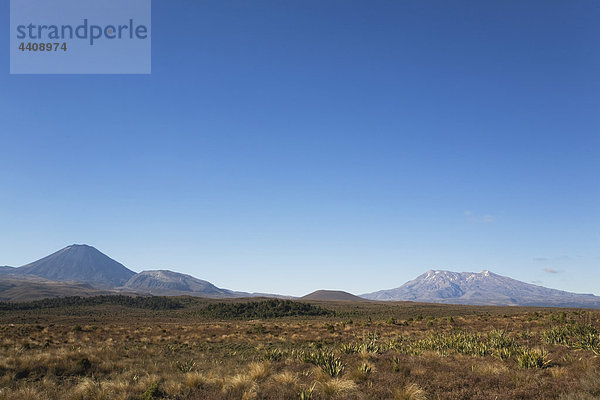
262,310
150,303
117,347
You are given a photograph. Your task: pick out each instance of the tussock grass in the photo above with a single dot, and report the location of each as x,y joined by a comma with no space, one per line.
198,379
286,378
134,353
238,383
336,386
259,371
88,389
410,392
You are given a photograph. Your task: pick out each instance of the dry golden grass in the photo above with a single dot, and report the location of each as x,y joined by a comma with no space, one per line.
335,387
238,383
286,378
258,371
490,368
198,379
126,354
410,392
88,389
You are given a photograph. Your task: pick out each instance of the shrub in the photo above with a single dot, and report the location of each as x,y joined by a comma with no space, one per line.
350,348
333,366
273,308
306,394
498,339
365,368
273,355
186,366
585,337
327,361
533,358
83,366
152,392
152,303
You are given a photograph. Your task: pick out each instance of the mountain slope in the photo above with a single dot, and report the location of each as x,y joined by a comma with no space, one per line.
7,270
15,287
484,288
79,263
166,283
331,295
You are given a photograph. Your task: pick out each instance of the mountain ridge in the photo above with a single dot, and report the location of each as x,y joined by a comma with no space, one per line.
81,269
483,288
85,269
166,282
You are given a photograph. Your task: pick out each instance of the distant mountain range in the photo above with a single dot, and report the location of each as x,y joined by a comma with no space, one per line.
483,288
82,270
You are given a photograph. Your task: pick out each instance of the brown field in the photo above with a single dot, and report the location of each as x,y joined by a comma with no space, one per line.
360,351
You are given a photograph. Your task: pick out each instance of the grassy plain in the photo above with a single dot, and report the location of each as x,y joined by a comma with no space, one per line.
184,348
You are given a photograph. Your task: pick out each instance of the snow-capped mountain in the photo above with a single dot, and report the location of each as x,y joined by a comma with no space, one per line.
484,288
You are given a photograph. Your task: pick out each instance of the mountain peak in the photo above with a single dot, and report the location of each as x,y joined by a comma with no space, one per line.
82,246
79,262
481,288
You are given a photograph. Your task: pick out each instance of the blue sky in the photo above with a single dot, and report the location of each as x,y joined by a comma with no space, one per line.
292,146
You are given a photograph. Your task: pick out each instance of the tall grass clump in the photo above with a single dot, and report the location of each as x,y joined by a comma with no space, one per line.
533,358
326,360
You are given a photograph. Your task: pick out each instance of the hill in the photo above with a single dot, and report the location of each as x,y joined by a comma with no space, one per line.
484,288
331,295
169,283
79,263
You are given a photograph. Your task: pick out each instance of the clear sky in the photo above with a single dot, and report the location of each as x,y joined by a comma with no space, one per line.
290,146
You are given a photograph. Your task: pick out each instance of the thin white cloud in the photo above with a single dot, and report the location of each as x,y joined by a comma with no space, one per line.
488,218
480,218
551,271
